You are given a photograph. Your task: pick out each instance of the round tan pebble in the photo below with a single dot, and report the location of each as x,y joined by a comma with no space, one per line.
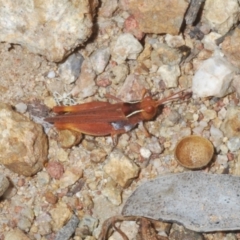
194,152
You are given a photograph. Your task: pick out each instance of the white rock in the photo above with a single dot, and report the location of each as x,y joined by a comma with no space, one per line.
213,78
51,28
221,15
51,74
125,47
169,75
145,153
99,59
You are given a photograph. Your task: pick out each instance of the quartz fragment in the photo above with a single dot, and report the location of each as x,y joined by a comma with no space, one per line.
23,145
121,169
213,78
49,27
125,47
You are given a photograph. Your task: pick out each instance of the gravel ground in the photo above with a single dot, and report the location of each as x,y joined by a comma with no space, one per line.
87,180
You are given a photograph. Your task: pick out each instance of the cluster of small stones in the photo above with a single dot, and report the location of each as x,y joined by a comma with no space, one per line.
78,187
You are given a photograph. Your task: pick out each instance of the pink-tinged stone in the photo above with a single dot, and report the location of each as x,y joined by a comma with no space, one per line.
55,169
132,26
157,16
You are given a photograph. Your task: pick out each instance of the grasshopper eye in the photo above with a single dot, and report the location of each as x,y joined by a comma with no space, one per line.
149,109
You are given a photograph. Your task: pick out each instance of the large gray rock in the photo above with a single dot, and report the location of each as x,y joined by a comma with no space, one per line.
201,202
51,28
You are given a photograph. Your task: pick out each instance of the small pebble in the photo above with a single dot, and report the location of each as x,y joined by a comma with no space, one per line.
51,74
55,169
233,144
21,107
50,197
145,153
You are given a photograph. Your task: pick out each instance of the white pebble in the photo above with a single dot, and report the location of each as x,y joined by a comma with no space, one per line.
145,153
213,78
21,107
51,74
